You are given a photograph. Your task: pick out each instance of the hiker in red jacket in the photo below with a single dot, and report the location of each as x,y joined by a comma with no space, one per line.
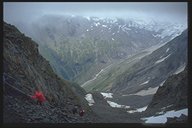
39,96
81,112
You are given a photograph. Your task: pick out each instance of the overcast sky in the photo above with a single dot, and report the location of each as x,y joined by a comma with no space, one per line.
26,12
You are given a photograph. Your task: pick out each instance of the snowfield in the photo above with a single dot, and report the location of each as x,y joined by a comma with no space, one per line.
115,105
90,99
163,118
145,82
107,95
138,110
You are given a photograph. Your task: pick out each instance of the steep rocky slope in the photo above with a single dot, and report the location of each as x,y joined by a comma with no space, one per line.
173,93
25,71
170,103
109,114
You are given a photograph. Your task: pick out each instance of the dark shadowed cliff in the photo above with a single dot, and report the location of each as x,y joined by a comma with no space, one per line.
25,71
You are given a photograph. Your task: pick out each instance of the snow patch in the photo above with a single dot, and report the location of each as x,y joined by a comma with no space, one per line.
155,35
142,109
89,81
138,110
132,111
163,118
160,112
95,19
104,26
90,99
166,107
87,30
115,105
99,73
161,60
145,82
107,95
125,29
167,50
113,39
180,69
96,24
161,84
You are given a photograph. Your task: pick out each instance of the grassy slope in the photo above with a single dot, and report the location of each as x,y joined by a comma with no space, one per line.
105,80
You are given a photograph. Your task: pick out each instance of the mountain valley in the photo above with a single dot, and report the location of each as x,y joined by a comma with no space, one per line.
130,70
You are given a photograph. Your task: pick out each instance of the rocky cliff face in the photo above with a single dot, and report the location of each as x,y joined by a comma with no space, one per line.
170,103
173,93
25,71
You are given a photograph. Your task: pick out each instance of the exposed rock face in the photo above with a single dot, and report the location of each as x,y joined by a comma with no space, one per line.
108,114
172,95
182,119
25,71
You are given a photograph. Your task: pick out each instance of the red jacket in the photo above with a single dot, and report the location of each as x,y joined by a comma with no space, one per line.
39,96
81,113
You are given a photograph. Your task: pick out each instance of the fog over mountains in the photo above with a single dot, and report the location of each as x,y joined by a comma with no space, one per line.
115,64
95,42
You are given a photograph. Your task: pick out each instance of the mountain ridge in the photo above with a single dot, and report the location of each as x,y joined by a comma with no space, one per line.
133,70
87,44
25,71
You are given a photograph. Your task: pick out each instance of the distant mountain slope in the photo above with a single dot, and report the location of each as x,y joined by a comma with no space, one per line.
85,45
153,69
25,71
142,73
